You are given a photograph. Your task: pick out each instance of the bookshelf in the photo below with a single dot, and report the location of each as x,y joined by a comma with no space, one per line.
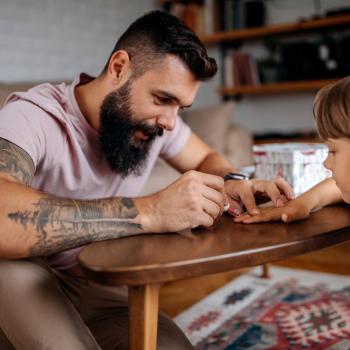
275,88
244,73
277,29
271,30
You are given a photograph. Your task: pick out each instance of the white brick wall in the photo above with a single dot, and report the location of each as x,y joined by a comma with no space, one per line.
56,39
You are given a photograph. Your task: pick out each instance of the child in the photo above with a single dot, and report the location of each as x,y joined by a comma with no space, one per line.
332,114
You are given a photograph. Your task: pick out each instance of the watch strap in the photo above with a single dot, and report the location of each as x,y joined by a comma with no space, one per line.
235,176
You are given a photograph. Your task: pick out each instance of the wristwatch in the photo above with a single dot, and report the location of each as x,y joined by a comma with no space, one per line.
235,176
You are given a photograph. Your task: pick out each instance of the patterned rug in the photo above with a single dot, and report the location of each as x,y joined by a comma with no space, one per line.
294,310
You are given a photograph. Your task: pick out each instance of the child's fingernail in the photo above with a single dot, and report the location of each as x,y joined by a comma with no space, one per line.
256,211
247,221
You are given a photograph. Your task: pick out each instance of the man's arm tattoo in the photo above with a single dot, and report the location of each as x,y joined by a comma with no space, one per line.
73,223
16,162
61,224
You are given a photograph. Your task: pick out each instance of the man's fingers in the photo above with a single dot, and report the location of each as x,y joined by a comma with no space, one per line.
213,181
248,200
235,208
284,187
272,192
212,209
279,191
205,220
213,195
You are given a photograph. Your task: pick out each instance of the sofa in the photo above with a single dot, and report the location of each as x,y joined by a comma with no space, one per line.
213,124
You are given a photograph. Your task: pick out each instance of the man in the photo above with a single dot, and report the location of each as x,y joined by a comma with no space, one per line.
73,160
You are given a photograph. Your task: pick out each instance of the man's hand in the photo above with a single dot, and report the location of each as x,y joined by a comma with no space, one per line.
244,193
195,199
292,211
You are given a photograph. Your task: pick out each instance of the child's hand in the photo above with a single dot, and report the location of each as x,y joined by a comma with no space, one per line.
292,211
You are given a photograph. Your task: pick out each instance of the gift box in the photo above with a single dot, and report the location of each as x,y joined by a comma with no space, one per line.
300,164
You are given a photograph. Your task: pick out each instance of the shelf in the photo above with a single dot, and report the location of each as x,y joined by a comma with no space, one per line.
295,27
307,85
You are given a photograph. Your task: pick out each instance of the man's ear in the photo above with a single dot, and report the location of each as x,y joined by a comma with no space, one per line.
119,67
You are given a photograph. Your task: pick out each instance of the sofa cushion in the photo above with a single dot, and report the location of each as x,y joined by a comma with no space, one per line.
238,146
211,124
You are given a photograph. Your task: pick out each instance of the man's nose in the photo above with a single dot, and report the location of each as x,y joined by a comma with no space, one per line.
168,119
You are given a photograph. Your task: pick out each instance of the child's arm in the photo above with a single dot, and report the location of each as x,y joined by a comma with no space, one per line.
324,193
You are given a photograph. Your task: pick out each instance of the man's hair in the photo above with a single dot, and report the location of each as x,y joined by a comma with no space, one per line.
157,34
332,110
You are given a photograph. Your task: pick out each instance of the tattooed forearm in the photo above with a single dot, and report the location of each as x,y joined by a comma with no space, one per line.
16,162
61,224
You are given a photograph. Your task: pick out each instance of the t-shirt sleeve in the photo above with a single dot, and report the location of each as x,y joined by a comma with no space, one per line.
176,139
28,126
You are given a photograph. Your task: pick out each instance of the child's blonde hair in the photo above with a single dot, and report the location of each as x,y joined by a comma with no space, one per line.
332,110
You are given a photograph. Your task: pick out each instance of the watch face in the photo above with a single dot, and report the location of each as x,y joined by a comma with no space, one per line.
235,176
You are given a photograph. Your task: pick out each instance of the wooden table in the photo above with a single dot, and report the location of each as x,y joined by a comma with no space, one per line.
145,262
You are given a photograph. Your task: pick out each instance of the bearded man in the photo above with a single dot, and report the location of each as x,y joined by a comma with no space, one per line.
73,160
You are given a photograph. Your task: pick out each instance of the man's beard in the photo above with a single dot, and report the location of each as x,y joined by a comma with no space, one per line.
124,153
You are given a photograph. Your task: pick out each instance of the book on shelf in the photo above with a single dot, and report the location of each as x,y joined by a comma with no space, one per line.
192,13
206,17
240,70
227,15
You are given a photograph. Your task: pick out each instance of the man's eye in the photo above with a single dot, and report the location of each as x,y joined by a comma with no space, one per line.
331,152
162,100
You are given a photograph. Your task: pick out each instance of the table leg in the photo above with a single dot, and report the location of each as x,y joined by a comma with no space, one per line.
143,316
266,271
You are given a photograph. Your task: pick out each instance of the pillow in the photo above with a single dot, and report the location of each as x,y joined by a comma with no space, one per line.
211,124
239,144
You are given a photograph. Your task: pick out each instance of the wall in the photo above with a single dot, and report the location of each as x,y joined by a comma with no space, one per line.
56,39
274,113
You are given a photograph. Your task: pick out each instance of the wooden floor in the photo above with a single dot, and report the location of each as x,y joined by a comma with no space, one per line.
177,296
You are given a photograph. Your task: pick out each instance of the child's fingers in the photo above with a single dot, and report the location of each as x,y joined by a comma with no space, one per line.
268,215
242,217
284,198
285,218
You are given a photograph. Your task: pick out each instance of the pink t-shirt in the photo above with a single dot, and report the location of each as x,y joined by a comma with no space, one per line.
46,122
